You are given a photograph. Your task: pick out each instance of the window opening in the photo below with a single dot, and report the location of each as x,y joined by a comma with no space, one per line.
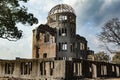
63,46
63,32
46,38
62,18
44,55
37,52
26,68
9,68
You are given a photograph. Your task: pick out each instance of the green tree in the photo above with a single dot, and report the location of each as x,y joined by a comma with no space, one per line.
101,56
11,13
116,58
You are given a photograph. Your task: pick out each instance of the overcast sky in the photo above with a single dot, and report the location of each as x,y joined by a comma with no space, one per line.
91,16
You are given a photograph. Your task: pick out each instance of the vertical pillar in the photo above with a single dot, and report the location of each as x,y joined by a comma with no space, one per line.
80,69
0,69
47,68
94,70
3,68
23,67
17,69
39,72
34,68
27,68
105,70
74,69
117,71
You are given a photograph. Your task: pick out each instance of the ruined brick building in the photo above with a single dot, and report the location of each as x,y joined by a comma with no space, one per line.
58,53
57,38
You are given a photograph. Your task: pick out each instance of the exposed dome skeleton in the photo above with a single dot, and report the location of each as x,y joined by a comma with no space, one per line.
61,8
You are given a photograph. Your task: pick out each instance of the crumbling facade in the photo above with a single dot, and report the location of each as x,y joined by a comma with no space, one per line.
52,69
58,53
58,38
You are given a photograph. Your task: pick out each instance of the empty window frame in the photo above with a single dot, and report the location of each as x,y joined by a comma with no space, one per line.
26,68
37,52
82,46
103,70
51,71
113,68
62,32
63,46
52,39
51,68
62,18
72,19
42,68
71,47
9,68
46,37
44,55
